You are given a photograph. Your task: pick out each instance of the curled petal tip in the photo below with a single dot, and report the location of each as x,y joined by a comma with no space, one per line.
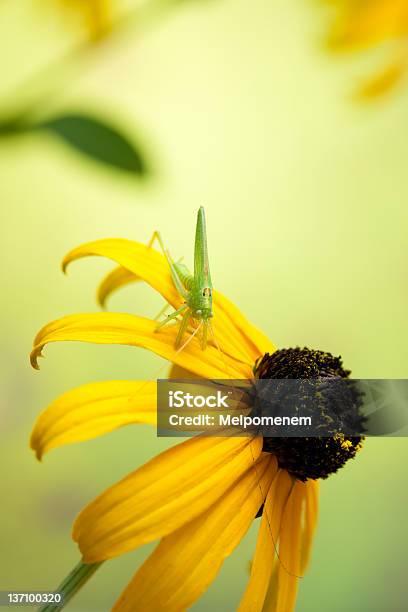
64,265
35,354
101,300
36,447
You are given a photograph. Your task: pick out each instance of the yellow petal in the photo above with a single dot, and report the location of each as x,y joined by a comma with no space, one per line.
297,530
289,562
272,594
245,332
95,14
382,82
364,24
176,372
188,560
120,328
235,335
161,496
92,410
310,522
119,277
99,17
265,553
146,263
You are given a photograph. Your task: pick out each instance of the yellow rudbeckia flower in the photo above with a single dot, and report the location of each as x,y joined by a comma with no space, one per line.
361,24
95,14
200,497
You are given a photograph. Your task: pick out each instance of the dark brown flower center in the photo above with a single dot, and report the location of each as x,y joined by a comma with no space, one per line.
315,457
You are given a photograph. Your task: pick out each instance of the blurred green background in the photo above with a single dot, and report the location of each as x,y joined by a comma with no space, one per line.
240,110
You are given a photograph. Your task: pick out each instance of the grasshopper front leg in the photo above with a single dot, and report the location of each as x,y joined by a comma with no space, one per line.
171,316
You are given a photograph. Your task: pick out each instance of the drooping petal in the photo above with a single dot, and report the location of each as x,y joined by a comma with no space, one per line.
92,410
290,549
234,334
382,82
310,522
164,494
189,559
119,277
281,596
255,340
296,537
272,593
121,328
266,547
145,262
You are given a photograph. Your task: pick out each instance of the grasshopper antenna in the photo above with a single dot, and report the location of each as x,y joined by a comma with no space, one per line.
189,339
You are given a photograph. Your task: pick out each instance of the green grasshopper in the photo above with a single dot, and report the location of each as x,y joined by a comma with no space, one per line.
195,289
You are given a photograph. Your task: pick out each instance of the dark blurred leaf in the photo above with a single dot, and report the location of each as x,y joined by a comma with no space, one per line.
98,140
12,126
93,137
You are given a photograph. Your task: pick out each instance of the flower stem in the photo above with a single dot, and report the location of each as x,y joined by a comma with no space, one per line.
75,580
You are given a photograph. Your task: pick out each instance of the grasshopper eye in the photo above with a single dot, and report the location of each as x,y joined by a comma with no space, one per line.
207,292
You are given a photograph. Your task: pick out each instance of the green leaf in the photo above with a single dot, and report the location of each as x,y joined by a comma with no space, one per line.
12,126
97,140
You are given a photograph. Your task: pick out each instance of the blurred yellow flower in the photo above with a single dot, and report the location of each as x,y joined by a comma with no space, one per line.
95,14
201,496
361,24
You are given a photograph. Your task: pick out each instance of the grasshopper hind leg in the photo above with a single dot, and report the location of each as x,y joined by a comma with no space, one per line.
173,270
